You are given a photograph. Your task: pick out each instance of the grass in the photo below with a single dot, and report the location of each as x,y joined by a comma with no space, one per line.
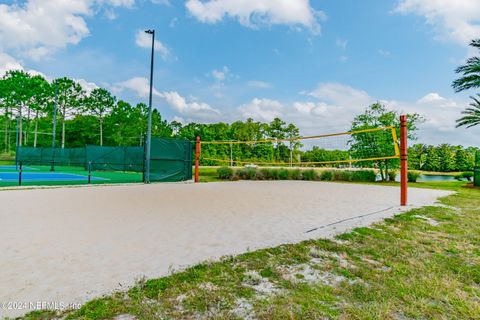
423,264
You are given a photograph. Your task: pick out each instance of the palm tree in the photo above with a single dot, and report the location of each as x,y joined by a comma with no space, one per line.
470,72
472,114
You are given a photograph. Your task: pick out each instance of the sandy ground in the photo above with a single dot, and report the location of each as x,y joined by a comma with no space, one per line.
67,245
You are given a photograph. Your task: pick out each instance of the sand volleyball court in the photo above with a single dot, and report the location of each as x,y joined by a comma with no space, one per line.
67,245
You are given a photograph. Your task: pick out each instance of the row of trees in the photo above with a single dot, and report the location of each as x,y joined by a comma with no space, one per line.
442,158
27,105
27,111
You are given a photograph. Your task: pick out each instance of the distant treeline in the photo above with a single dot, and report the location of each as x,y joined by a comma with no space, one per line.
99,118
442,158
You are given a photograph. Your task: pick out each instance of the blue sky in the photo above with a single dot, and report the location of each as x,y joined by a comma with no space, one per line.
314,63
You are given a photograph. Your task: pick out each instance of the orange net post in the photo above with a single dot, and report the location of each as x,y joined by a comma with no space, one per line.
403,161
197,159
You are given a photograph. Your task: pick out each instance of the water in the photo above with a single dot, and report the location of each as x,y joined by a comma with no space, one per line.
436,178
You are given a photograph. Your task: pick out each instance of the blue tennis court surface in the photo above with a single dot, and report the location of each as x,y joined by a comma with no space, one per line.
44,176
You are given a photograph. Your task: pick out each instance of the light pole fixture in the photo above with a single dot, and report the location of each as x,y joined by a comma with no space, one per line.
149,128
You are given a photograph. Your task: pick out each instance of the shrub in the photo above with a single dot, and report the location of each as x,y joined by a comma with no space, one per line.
392,175
326,175
247,173
274,174
459,176
260,175
309,175
295,174
363,175
468,175
283,174
339,175
413,176
225,173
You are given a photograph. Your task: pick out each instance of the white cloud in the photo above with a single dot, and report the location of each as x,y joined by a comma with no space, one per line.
144,40
86,85
220,75
454,20
262,109
253,13
139,85
8,63
335,105
192,109
259,84
38,28
339,94
188,110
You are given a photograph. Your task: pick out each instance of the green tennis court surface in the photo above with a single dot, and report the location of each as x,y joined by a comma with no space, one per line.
63,175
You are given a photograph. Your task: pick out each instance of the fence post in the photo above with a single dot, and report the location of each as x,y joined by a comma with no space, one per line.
197,157
20,174
403,161
89,172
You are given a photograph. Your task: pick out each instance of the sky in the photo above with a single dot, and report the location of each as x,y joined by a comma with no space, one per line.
315,63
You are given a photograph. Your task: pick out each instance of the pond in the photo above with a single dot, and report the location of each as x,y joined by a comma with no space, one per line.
436,178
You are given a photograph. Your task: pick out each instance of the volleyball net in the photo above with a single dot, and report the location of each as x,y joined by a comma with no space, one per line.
355,148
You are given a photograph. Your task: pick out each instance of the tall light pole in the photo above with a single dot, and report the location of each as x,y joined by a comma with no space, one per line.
54,129
149,128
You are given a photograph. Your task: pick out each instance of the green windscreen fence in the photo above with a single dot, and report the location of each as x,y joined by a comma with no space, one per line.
171,160
115,158
47,156
476,178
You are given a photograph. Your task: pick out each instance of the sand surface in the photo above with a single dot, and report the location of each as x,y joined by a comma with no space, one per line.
67,245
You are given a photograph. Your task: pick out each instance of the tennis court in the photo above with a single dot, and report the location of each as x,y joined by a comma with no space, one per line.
85,242
44,176
63,175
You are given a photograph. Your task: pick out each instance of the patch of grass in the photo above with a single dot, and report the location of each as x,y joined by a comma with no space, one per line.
403,268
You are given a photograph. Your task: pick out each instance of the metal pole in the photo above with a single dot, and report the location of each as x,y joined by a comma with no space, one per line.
54,129
89,172
20,174
149,129
16,144
403,161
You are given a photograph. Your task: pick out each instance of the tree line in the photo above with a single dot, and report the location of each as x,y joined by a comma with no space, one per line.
27,104
441,158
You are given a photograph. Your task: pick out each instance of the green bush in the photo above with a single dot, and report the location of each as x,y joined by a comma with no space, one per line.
363,175
326,175
247,173
413,176
225,173
339,175
309,175
260,175
283,174
468,175
295,174
392,175
269,174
